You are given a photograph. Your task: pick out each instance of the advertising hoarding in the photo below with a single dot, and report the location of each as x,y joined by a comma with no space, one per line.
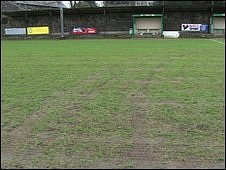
83,30
190,27
15,31
37,30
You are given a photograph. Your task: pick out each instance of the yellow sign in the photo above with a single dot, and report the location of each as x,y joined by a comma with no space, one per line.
37,30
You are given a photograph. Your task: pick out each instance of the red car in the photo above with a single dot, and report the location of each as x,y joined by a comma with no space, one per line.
79,31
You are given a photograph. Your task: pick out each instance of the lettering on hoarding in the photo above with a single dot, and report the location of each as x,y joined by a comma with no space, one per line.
37,30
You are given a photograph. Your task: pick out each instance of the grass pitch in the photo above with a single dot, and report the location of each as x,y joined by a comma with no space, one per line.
150,103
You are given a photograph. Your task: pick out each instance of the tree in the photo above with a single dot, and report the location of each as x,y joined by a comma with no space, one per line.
72,4
82,4
92,3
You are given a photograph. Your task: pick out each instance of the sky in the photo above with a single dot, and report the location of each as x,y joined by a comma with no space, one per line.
66,3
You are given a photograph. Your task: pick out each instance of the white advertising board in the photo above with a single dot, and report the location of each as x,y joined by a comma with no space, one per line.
171,34
190,27
15,31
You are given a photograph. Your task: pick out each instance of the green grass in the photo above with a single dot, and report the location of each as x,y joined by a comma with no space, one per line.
80,91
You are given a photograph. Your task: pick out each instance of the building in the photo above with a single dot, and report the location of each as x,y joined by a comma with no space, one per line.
122,20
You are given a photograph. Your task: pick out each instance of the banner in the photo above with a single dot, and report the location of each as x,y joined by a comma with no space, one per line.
171,34
15,31
37,30
190,27
83,30
204,28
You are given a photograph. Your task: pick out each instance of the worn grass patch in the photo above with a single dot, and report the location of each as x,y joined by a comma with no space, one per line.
113,104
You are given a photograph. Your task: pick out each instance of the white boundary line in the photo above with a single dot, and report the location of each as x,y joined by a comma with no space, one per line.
217,41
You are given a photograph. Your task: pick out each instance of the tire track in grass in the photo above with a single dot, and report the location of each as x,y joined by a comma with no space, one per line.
144,152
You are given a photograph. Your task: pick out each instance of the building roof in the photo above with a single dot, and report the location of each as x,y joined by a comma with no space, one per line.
30,5
56,4
105,10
